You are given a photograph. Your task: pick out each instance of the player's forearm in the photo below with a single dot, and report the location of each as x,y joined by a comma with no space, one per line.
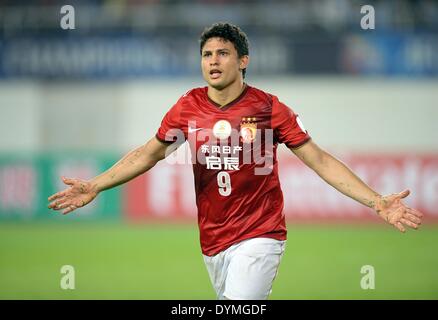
342,178
130,166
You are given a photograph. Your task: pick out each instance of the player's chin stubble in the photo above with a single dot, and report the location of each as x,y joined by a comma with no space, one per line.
218,86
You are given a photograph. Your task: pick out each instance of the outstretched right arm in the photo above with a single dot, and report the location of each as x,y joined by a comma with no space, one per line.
133,164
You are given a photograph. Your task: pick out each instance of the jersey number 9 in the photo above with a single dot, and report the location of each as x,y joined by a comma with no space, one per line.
224,183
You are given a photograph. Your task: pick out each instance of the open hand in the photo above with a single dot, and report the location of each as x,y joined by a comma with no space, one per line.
79,194
395,212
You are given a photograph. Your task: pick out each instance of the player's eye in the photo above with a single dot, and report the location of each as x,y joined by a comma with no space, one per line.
206,54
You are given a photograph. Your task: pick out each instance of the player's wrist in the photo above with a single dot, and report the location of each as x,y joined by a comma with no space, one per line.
94,186
377,203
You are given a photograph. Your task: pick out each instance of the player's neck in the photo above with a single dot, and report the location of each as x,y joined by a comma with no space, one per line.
228,94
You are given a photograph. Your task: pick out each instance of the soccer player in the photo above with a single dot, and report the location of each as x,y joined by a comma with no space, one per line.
233,130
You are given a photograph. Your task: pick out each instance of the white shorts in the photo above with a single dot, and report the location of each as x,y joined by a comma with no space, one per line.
246,270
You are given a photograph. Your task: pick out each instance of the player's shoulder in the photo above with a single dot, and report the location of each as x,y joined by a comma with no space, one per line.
262,95
194,93
190,98
271,99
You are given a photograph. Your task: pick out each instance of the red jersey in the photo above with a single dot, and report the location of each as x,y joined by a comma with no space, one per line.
235,168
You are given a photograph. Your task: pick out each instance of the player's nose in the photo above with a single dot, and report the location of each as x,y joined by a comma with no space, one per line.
214,61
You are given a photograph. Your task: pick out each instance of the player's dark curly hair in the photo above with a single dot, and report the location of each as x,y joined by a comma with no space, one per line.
230,33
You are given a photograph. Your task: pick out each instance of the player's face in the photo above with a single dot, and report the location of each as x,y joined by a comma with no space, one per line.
220,63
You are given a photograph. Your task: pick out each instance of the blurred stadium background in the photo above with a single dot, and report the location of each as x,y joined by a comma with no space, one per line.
72,102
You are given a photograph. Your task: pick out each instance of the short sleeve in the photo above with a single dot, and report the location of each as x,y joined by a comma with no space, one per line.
287,126
171,128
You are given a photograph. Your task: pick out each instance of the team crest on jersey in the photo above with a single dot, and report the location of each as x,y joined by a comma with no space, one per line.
248,129
222,129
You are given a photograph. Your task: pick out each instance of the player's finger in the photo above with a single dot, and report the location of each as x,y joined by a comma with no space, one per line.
62,205
404,193
57,202
409,223
412,218
56,195
414,212
80,203
53,204
400,227
69,209
68,181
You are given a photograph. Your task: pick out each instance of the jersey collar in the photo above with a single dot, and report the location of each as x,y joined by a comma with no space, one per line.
230,104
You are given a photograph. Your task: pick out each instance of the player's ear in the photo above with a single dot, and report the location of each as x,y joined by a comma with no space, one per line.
244,61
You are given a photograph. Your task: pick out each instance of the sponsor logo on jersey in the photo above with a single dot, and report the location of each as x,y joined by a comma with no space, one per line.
222,129
248,129
191,130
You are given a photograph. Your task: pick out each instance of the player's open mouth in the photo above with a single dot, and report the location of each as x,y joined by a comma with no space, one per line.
215,73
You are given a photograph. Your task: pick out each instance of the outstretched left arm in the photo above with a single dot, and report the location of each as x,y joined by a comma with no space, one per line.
338,175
